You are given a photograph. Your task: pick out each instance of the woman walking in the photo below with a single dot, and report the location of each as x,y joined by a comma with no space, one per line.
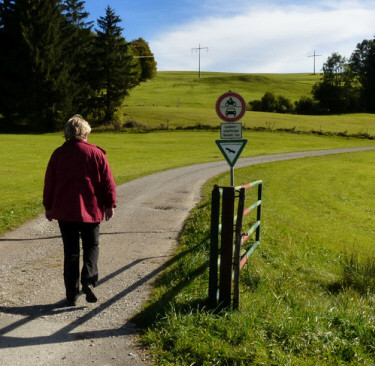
79,192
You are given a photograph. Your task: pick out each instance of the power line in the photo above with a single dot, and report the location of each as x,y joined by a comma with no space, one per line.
199,52
315,56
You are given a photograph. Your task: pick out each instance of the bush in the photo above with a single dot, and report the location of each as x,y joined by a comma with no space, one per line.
306,106
283,105
271,103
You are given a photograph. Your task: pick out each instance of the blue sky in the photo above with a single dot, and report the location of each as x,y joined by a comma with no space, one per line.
246,36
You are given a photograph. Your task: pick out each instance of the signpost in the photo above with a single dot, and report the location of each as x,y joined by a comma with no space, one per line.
231,107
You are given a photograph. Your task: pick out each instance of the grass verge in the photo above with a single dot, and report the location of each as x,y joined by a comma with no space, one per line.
307,294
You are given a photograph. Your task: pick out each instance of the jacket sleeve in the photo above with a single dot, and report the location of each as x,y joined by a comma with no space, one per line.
108,186
49,184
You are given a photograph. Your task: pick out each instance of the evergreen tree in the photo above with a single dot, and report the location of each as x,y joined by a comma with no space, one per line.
77,53
33,73
142,51
113,70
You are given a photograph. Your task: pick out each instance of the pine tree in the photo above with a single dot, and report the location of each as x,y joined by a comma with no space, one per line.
78,51
12,69
34,66
113,72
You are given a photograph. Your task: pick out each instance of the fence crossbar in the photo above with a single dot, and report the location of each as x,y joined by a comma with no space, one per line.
249,185
246,256
247,234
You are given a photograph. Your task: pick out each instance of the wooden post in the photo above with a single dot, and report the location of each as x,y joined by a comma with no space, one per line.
214,247
226,250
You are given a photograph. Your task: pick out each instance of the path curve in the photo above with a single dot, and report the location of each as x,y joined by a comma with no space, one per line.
35,330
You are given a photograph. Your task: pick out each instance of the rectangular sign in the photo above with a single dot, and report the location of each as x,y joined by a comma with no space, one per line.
231,131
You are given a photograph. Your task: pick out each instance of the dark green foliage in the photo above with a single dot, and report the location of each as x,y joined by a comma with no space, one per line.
53,65
306,106
283,105
112,64
271,103
78,51
362,62
33,76
336,92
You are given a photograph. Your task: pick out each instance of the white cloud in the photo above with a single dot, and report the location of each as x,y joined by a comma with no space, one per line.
266,37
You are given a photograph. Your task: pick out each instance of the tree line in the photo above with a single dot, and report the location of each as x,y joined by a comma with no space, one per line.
346,86
53,64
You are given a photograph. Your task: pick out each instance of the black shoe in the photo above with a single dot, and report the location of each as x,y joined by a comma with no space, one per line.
71,302
89,291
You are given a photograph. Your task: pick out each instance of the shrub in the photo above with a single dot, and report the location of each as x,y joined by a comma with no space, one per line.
306,106
270,103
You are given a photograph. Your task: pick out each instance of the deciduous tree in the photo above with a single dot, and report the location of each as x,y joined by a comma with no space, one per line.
362,62
336,92
146,59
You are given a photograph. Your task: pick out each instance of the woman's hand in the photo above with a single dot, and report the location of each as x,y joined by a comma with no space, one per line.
108,213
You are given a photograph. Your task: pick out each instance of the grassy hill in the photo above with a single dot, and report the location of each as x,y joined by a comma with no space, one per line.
184,89
180,99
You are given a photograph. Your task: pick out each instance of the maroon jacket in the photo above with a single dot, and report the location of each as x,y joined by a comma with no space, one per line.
78,184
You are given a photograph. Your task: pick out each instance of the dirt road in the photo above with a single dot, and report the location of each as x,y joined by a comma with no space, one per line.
36,330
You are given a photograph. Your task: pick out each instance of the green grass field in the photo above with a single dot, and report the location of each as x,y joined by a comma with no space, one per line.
25,157
175,99
307,293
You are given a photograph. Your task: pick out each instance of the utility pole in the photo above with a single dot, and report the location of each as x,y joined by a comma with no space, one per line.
314,55
199,52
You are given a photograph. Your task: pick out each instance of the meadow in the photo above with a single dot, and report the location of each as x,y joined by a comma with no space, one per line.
177,100
307,294
131,155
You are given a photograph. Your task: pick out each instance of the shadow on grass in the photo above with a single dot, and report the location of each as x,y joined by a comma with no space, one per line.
158,308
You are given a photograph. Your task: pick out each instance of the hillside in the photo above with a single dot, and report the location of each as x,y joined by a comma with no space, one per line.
184,89
180,99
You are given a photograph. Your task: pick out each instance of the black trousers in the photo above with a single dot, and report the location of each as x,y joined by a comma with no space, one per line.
71,233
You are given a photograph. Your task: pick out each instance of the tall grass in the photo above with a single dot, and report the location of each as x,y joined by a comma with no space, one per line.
307,295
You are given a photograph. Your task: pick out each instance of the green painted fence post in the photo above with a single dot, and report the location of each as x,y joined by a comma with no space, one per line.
237,249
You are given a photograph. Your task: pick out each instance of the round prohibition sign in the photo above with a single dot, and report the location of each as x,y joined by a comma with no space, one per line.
230,107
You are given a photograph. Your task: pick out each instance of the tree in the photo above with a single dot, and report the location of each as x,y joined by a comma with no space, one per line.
113,67
78,50
10,71
336,92
362,62
306,105
142,51
283,105
33,75
268,102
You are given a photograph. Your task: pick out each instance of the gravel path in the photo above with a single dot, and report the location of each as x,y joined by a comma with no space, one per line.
36,330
